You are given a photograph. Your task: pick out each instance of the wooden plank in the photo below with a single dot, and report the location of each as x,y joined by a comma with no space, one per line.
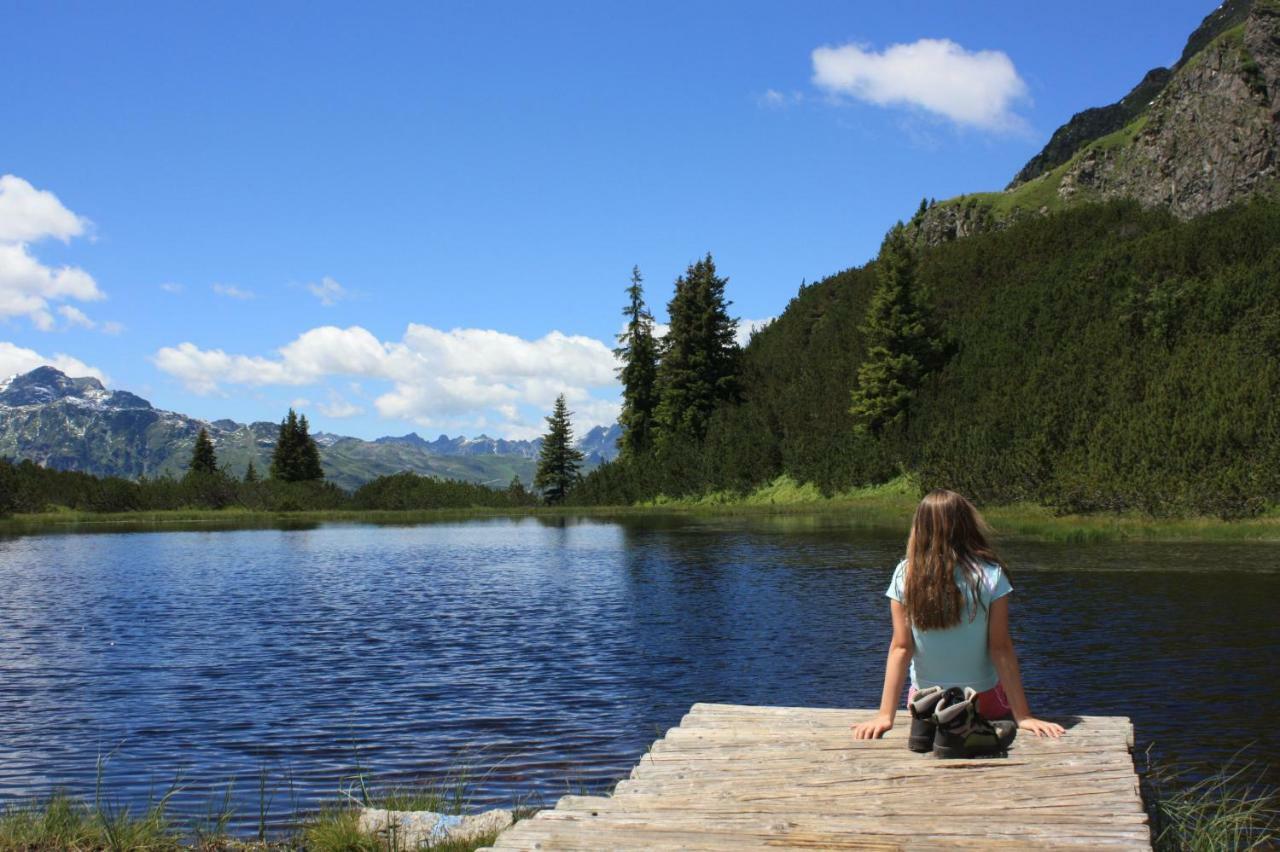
741,777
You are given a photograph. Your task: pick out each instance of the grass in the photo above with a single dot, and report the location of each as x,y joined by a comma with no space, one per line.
1225,810
68,823
890,506
887,506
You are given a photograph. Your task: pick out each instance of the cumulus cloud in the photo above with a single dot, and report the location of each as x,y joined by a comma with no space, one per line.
17,359
337,407
748,327
231,291
438,378
328,291
27,287
75,316
971,88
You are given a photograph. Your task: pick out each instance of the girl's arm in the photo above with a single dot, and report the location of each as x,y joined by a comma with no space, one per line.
901,648
1000,644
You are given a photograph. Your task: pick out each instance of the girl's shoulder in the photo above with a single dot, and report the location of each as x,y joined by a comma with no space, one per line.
995,579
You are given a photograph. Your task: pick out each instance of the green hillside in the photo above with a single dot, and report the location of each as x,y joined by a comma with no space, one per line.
1102,357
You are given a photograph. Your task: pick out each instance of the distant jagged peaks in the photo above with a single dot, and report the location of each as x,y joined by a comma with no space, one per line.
77,424
600,441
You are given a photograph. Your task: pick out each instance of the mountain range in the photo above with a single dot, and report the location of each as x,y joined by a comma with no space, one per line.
78,424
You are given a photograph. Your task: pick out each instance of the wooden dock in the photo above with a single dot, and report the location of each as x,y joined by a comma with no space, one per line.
735,777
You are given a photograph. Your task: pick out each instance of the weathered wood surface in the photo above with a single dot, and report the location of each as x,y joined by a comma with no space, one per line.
735,777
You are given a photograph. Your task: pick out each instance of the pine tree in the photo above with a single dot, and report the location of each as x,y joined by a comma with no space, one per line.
559,460
517,494
901,345
638,353
284,458
251,472
699,360
296,458
203,459
310,468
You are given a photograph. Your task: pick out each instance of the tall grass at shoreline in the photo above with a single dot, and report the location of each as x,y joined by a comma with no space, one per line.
1227,809
68,823
887,506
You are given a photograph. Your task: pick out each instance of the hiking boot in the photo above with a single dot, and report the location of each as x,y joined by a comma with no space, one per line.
923,728
962,732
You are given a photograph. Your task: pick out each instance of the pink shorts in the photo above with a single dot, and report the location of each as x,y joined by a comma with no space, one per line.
992,704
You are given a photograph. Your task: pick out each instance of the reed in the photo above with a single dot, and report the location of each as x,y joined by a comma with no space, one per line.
1229,808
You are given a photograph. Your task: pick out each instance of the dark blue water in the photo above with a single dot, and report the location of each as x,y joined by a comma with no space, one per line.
544,656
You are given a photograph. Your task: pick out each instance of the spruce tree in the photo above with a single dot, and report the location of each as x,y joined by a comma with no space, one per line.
284,458
699,362
203,459
251,472
638,353
296,458
901,345
558,460
310,468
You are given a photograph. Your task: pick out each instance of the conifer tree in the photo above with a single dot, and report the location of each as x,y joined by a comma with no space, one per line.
901,345
203,459
284,458
517,494
310,468
699,361
558,460
296,458
638,353
251,472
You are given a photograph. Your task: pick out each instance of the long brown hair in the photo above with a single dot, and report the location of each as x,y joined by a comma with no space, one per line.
946,531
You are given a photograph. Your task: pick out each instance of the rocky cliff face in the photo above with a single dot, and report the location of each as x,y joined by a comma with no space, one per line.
1090,124
1209,137
1208,140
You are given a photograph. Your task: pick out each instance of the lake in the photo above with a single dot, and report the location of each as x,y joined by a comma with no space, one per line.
544,655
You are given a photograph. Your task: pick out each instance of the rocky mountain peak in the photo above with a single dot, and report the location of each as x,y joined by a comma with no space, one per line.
1191,139
46,384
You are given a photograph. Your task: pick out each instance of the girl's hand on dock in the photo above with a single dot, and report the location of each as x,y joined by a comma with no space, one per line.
873,729
1041,728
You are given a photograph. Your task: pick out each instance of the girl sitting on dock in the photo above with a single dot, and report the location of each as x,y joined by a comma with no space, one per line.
950,608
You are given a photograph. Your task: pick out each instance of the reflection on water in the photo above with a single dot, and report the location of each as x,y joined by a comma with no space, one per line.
546,656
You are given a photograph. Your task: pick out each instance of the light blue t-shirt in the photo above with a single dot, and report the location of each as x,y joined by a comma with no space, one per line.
956,656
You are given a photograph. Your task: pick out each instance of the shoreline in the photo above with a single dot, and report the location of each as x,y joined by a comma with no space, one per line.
874,508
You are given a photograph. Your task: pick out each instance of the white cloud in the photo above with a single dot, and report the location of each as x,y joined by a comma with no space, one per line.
774,99
337,407
328,291
27,286
171,287
75,316
976,89
28,215
438,378
231,291
112,327
16,359
748,326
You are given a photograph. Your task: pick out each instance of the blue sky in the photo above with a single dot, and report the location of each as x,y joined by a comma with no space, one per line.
423,215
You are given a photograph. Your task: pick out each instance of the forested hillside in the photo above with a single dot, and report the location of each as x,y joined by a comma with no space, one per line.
1104,357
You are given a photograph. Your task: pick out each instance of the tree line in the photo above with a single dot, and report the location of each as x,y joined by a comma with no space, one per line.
294,481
